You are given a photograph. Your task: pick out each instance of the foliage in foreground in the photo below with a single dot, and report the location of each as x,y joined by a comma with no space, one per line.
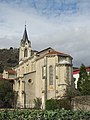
53,104
44,115
37,103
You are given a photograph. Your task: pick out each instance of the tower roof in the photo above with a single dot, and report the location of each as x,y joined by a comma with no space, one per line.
25,36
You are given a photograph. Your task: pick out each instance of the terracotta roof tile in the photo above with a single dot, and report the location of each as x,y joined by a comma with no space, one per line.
57,53
78,70
11,71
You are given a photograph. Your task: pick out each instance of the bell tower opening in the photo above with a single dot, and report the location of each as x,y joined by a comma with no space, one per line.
25,53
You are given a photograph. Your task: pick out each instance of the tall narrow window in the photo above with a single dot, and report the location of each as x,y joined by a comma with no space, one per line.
25,53
50,75
43,72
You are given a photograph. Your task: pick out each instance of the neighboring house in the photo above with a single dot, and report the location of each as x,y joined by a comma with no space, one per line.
9,74
76,74
40,74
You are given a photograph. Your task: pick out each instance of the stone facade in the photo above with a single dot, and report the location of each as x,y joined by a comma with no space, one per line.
40,74
81,103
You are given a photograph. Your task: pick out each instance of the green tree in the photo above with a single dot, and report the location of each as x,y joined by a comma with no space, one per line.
1,68
83,84
6,93
70,91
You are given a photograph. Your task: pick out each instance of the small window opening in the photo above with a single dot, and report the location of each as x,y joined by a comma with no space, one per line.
29,80
25,53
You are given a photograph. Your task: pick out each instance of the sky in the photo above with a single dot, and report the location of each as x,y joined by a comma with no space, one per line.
61,24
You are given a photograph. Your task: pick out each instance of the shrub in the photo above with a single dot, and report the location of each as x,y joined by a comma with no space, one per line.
43,115
37,103
53,104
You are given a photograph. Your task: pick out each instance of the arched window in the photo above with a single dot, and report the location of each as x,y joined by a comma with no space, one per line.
50,75
25,53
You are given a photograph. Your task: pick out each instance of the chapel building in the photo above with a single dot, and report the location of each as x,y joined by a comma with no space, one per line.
40,74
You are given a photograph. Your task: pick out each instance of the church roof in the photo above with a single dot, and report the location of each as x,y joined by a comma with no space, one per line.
25,36
57,53
49,48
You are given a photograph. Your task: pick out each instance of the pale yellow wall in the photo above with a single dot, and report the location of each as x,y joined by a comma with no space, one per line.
39,80
26,67
40,83
37,89
21,52
30,94
16,85
51,61
60,76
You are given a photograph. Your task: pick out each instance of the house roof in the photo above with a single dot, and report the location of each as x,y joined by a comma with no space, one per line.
11,72
76,71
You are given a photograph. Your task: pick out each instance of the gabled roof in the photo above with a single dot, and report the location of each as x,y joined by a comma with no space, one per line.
45,50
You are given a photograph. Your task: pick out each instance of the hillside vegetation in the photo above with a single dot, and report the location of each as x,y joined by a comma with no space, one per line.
8,58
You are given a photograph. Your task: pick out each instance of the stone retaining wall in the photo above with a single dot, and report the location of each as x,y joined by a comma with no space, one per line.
81,103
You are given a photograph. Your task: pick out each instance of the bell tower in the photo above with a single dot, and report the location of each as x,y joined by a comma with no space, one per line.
25,47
